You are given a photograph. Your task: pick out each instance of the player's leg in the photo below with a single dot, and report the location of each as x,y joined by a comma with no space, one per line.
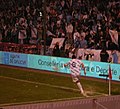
80,87
77,81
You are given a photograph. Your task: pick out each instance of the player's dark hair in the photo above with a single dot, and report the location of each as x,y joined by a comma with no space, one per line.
73,56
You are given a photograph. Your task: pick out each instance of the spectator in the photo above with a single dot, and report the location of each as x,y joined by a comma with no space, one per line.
63,18
90,43
104,56
69,31
113,57
56,50
83,42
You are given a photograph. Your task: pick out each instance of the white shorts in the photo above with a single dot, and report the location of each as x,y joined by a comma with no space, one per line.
75,79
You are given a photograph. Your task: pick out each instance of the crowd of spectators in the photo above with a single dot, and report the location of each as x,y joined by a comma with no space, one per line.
83,23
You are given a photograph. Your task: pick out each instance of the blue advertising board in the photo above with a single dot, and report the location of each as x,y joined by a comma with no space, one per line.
15,59
1,57
47,63
93,69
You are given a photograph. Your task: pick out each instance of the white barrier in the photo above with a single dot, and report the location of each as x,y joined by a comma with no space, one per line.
110,102
93,55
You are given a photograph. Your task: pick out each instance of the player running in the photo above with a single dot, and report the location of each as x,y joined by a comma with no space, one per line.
75,69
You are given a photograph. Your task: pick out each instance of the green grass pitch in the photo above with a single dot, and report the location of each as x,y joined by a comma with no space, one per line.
19,86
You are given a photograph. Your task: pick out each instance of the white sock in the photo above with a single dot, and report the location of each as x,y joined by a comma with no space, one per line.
80,87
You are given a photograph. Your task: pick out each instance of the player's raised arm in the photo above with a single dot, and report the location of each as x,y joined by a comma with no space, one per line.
65,65
83,67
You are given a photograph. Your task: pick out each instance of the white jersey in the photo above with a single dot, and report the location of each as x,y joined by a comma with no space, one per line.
75,66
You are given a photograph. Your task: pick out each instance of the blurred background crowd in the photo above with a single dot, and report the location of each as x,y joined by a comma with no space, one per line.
83,23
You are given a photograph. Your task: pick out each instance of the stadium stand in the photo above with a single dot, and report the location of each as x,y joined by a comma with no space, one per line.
88,24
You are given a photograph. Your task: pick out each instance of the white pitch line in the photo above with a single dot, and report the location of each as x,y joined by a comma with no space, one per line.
49,85
38,83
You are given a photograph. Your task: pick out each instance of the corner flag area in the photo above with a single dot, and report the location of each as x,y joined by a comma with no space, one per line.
20,86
